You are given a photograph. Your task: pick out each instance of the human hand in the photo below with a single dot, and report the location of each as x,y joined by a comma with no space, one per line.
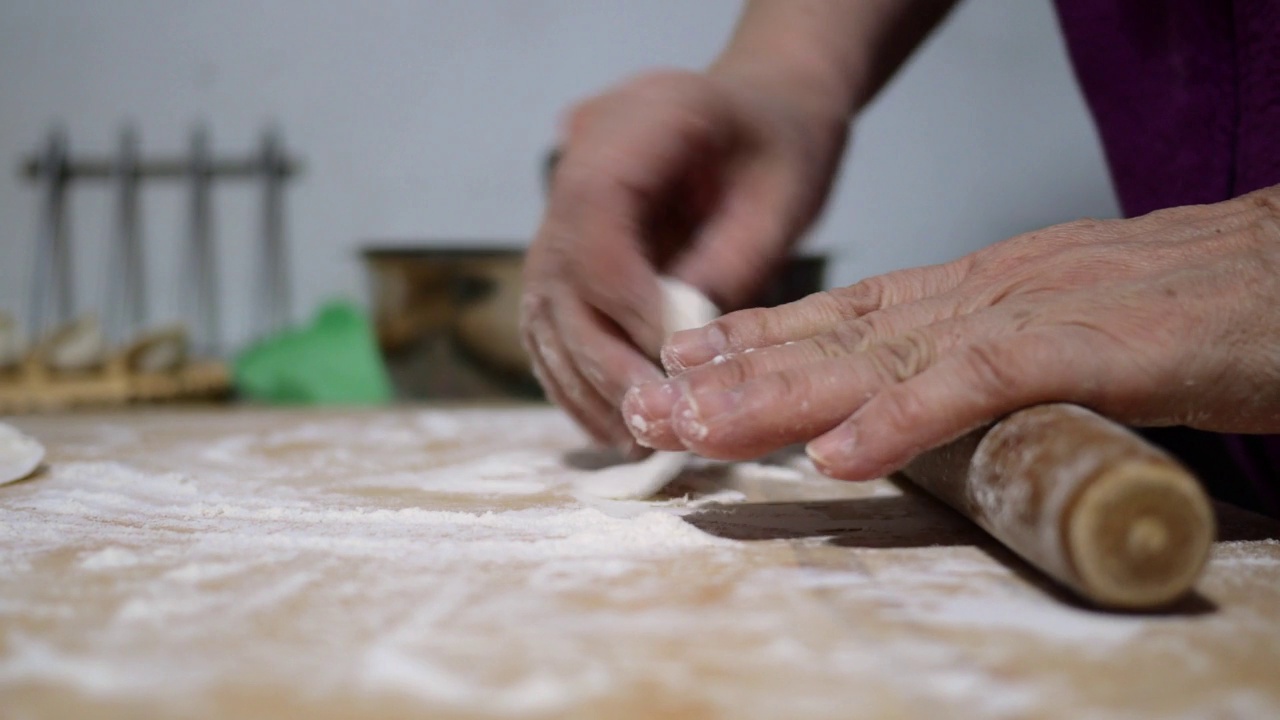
707,177
1170,318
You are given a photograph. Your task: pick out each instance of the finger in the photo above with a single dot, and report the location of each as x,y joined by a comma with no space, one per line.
820,312
563,400
846,338
616,174
647,410
603,259
975,385
796,404
609,362
564,384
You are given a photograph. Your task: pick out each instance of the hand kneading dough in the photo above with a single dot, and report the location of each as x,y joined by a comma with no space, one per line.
20,454
683,307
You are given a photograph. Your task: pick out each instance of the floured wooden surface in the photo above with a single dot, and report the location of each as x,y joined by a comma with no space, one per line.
431,563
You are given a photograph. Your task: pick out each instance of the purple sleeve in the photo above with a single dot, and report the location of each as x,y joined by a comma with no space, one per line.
1258,457
1186,98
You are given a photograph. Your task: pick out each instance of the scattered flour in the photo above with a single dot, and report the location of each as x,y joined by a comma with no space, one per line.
638,422
109,559
370,559
1030,615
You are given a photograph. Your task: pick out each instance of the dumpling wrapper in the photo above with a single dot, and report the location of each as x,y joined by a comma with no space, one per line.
20,454
683,307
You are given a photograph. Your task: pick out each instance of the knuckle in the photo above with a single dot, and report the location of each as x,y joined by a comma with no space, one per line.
860,298
736,371
829,345
733,371
905,356
745,328
844,339
788,386
827,304
871,328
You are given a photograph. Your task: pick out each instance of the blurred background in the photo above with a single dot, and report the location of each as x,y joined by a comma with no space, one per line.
424,124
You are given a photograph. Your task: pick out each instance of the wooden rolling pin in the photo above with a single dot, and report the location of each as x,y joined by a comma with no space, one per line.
1087,501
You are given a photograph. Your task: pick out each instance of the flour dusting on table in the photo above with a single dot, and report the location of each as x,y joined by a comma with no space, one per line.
436,563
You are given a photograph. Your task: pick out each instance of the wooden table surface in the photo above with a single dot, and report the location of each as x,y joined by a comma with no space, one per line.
441,563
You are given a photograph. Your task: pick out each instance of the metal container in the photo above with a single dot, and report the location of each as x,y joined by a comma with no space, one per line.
447,317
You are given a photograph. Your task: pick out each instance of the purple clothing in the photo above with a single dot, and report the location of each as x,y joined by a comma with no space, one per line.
1186,98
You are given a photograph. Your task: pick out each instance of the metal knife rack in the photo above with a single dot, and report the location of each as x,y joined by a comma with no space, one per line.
52,303
118,359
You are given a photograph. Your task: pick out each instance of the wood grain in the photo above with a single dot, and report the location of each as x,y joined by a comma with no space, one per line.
427,562
1085,500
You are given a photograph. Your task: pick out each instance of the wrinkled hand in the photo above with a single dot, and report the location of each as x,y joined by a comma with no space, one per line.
708,177
1170,318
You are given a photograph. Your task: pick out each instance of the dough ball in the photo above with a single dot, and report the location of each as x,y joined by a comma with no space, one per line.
20,454
684,307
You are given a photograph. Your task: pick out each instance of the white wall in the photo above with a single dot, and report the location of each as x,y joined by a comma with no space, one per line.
427,118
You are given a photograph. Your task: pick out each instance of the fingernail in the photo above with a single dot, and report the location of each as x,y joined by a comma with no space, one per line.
644,442
711,404
690,348
833,448
686,424
649,402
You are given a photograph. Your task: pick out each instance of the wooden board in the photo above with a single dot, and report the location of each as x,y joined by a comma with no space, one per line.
34,388
439,563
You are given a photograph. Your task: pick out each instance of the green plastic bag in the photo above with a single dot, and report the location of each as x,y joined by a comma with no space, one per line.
332,361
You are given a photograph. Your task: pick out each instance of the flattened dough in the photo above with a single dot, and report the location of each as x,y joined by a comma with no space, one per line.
20,454
683,307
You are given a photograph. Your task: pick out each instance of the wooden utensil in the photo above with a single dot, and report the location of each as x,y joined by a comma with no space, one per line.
1087,501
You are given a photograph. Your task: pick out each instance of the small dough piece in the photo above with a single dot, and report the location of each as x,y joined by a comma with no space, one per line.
11,346
160,351
683,308
635,481
80,345
20,454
